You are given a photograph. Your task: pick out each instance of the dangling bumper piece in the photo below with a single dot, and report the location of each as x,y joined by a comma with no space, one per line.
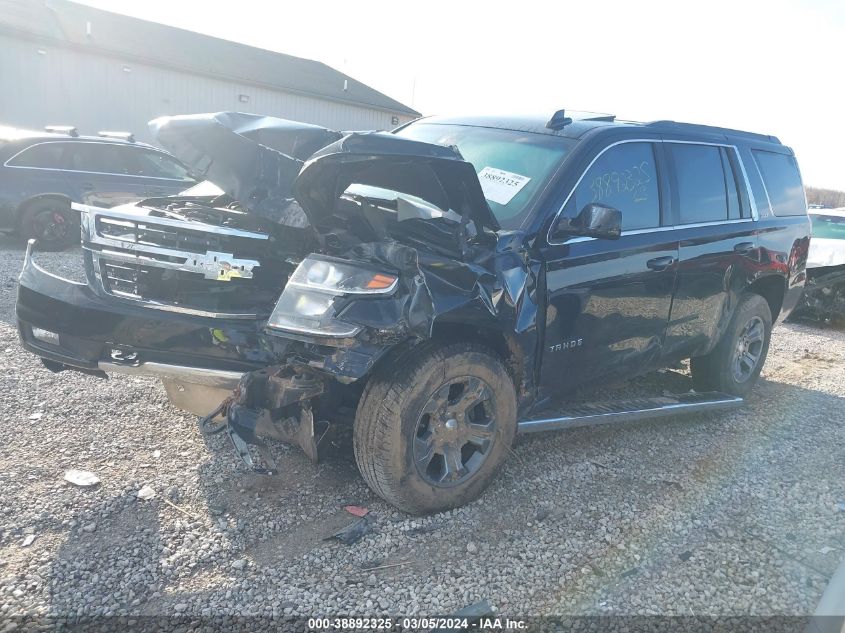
272,403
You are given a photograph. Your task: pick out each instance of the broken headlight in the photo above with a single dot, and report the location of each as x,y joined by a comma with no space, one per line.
307,302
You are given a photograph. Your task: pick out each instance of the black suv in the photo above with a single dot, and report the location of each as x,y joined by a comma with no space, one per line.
42,173
437,287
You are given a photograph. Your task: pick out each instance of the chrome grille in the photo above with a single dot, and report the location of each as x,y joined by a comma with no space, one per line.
120,278
132,251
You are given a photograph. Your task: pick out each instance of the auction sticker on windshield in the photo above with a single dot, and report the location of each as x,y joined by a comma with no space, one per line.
499,185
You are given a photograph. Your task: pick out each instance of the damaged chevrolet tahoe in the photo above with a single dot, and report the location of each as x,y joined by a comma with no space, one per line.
437,287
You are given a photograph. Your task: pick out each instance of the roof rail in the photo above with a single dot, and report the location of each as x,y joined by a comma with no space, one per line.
609,118
123,136
69,130
714,129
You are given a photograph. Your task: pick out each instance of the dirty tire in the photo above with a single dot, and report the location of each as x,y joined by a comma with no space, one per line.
716,370
52,222
387,423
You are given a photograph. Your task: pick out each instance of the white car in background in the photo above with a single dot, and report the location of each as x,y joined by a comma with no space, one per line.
824,293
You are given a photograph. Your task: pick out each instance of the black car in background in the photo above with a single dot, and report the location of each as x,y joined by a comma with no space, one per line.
42,173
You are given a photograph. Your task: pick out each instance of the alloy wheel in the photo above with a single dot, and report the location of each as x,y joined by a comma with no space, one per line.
749,349
455,431
50,226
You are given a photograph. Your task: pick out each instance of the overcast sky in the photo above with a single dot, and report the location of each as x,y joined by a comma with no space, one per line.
773,67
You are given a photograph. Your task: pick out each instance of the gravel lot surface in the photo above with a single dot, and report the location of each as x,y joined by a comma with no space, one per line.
732,513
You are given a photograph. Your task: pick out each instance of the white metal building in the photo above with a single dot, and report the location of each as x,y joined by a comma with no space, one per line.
67,63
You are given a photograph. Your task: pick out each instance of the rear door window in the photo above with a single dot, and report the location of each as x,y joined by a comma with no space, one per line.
623,177
705,183
42,155
783,182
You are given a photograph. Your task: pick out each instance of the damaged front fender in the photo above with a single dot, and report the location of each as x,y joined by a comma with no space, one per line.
494,300
824,295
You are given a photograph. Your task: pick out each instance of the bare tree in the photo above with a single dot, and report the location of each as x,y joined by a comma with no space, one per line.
829,198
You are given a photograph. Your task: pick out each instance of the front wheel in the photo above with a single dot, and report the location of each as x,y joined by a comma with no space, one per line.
735,363
434,426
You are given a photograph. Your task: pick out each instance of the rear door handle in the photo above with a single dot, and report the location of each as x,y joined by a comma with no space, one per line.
660,263
744,248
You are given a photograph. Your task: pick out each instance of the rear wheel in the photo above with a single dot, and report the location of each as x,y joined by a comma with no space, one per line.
434,427
52,222
735,363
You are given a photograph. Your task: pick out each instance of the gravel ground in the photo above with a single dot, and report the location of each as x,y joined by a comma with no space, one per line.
732,513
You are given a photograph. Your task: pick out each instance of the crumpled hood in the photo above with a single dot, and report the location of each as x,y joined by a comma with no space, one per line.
434,173
255,159
260,161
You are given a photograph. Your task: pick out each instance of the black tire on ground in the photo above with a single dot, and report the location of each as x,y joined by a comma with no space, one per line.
52,222
434,425
735,363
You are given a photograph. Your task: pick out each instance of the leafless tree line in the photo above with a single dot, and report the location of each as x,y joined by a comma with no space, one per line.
829,198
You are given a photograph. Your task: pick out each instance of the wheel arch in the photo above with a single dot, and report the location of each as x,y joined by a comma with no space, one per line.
773,289
506,347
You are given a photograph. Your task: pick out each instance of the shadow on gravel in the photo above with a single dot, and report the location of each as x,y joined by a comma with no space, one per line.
595,513
9,242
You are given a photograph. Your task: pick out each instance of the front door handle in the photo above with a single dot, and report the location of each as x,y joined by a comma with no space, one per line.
744,248
660,263
87,186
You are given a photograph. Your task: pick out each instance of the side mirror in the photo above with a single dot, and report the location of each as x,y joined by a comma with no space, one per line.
594,220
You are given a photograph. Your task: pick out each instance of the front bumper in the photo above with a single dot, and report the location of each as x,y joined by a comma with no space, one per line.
191,354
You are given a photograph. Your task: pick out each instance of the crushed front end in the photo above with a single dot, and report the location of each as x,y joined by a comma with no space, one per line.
265,308
824,292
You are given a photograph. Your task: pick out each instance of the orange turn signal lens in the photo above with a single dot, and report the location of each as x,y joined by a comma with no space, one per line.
380,282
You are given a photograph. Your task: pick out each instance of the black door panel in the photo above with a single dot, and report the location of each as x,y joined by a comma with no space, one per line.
716,262
607,308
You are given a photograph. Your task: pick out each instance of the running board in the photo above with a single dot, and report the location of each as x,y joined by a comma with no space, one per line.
630,410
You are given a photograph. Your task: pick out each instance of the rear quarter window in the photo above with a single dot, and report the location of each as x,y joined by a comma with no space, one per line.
41,155
783,182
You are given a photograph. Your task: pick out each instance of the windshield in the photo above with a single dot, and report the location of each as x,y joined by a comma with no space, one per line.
512,166
828,225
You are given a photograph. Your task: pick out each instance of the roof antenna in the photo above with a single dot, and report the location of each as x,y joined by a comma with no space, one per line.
558,121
